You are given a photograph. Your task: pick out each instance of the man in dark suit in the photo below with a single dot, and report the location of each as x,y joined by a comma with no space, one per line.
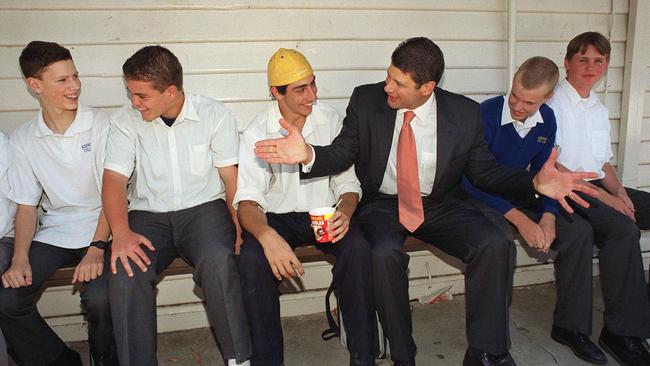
406,140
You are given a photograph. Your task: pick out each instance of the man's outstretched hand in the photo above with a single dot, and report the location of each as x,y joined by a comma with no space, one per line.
291,149
559,185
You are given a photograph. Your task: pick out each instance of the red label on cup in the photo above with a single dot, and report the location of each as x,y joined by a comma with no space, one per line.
320,221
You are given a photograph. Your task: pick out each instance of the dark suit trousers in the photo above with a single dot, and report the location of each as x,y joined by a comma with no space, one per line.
351,275
4,358
627,311
461,230
204,236
29,338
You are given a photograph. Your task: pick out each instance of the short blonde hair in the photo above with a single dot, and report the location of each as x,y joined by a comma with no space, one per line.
536,72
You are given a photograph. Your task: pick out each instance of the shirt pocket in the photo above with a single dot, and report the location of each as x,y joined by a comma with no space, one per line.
427,170
200,163
599,144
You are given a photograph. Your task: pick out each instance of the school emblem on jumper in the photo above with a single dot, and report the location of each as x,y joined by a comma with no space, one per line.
86,147
542,139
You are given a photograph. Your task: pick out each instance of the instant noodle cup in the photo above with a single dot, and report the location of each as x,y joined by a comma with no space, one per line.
320,221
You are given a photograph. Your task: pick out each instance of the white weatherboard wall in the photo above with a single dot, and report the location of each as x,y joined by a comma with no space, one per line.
224,46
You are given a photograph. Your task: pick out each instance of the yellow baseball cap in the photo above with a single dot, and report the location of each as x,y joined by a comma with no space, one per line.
287,66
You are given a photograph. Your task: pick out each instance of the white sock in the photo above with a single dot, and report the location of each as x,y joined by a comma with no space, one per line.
233,362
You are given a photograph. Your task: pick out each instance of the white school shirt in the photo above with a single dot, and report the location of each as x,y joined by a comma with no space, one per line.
277,187
173,168
66,171
583,130
424,127
7,207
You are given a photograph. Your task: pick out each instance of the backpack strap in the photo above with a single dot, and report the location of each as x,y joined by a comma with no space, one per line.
334,330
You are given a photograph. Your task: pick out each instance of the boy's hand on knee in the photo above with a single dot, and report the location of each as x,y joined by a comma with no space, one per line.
547,223
90,267
281,257
621,193
18,275
128,246
238,242
532,234
617,204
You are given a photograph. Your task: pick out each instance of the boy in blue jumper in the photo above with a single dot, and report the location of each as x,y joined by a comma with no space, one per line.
521,133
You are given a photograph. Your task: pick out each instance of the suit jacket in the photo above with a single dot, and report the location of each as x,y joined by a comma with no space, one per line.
366,136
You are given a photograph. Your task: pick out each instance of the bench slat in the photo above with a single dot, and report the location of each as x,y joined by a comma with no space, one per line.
306,254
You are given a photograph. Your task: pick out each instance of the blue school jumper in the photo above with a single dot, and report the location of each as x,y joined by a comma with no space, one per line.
513,151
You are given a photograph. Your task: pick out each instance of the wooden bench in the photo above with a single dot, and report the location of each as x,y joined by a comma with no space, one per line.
309,254
306,254
180,305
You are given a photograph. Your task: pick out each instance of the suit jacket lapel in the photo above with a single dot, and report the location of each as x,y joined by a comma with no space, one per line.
445,139
383,136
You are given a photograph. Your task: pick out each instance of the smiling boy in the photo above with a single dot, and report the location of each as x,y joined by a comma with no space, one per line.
57,165
177,152
614,218
273,203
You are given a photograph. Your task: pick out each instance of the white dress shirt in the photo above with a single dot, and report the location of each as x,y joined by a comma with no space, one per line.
583,130
424,127
66,171
521,128
7,207
277,187
173,168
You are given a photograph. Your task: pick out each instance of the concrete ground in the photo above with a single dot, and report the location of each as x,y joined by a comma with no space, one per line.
439,332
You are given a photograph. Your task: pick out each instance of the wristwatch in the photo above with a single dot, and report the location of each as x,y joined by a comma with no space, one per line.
100,244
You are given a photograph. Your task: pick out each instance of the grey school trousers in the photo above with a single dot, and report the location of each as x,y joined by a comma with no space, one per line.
204,236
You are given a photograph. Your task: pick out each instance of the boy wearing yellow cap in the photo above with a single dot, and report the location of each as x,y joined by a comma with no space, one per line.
273,203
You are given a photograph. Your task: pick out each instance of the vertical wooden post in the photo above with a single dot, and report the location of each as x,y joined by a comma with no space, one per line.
637,59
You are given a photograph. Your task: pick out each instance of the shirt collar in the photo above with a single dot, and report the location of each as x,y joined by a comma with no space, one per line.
274,115
83,121
422,111
506,117
575,97
187,113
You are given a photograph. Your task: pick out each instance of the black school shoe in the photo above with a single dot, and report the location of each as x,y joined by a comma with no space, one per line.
627,351
580,344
